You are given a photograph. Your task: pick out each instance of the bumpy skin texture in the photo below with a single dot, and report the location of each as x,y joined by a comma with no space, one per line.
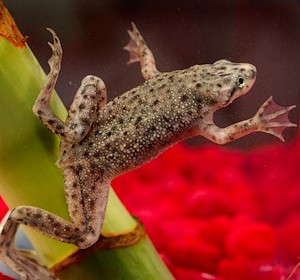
100,141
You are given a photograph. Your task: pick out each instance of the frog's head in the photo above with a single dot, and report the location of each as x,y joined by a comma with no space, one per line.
226,81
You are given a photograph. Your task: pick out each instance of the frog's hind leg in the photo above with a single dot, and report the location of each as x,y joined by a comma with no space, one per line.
139,52
87,199
90,97
21,262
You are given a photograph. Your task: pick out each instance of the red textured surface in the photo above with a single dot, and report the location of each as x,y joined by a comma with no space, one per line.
4,277
220,214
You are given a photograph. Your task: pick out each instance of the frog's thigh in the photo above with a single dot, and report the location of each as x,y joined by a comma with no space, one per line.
43,221
87,196
89,99
24,264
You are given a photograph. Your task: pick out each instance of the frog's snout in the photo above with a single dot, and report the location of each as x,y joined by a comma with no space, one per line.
253,74
252,71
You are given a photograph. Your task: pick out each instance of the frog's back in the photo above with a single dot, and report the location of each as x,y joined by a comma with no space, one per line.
140,123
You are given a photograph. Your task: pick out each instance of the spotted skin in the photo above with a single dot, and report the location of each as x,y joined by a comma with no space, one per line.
99,141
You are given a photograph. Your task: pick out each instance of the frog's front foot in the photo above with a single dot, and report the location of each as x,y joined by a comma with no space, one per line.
133,45
139,52
273,119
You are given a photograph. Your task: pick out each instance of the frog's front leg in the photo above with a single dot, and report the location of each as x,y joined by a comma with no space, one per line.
89,99
139,52
270,118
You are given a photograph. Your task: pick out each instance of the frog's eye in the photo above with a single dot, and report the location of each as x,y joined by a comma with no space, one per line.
240,82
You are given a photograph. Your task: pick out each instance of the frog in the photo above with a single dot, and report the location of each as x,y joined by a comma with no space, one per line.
101,140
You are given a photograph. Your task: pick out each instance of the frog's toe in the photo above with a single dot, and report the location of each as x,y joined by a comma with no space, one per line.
274,118
56,48
133,45
132,48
